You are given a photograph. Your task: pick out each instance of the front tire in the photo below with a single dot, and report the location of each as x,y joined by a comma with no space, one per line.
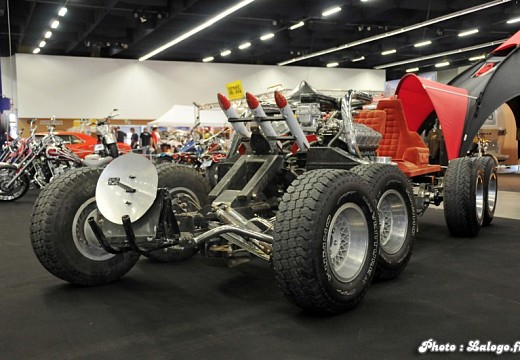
464,197
17,189
189,192
397,216
326,241
113,151
62,239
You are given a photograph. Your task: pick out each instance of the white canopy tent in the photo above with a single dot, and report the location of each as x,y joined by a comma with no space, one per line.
186,116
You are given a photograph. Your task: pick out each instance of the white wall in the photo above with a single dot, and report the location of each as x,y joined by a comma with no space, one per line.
8,65
73,87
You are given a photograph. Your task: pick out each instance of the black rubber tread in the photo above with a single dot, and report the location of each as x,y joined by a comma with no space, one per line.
211,175
489,165
460,211
381,178
170,176
113,150
26,183
300,232
51,232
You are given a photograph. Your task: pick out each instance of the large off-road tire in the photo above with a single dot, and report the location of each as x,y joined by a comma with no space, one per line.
464,197
189,191
397,216
113,150
326,241
61,237
17,189
211,174
489,165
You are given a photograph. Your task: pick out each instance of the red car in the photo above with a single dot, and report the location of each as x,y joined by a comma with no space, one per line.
83,144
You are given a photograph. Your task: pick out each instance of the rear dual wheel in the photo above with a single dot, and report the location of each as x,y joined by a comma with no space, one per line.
464,196
326,241
397,216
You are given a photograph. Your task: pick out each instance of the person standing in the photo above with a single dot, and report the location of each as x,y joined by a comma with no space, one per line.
145,138
134,139
156,139
120,135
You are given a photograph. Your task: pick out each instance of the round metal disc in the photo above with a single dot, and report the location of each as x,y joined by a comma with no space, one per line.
127,186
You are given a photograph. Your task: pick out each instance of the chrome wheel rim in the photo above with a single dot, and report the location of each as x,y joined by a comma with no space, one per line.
347,242
479,197
492,192
184,200
83,236
393,219
17,187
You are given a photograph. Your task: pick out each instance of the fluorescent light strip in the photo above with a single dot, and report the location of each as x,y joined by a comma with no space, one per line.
469,32
332,64
422,43
415,69
447,53
36,51
62,11
396,32
331,11
244,46
388,52
358,59
476,58
208,59
197,29
42,43
225,53
297,25
55,24
512,21
48,34
442,64
266,37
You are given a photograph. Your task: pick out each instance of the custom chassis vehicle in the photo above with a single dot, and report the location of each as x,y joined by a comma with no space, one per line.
331,211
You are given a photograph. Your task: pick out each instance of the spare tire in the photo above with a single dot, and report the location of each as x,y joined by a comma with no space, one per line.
489,165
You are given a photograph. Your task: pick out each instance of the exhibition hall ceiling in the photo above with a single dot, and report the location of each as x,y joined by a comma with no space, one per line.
411,33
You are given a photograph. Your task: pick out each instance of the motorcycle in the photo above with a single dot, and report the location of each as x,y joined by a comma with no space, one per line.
107,138
39,162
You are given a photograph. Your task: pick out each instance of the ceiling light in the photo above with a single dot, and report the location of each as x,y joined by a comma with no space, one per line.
197,29
512,21
332,64
422,43
443,54
297,25
266,36
48,34
358,59
244,46
55,24
36,51
364,0
331,11
469,32
442,64
388,52
476,58
208,59
62,11
412,70
397,31
225,53
42,43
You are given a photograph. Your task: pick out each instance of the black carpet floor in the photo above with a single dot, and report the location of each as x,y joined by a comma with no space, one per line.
453,291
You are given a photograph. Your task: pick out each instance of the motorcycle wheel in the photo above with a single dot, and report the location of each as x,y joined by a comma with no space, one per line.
62,239
17,189
189,192
113,150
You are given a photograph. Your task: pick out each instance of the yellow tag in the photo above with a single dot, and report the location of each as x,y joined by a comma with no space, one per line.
234,90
